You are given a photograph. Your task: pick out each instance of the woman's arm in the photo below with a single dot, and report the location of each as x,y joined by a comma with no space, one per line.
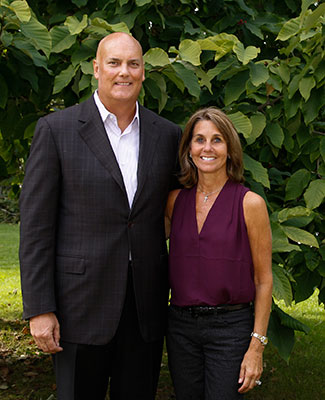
260,239
169,210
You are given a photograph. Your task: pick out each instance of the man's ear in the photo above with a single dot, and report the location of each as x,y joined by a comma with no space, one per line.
96,68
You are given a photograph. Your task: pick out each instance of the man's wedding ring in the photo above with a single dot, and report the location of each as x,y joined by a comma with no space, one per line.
258,382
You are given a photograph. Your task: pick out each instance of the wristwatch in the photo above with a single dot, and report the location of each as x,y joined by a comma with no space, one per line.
263,339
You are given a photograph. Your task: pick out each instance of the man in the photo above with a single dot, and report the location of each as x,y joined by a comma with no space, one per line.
93,251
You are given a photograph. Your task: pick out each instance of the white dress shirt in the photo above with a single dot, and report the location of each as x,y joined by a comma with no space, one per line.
124,144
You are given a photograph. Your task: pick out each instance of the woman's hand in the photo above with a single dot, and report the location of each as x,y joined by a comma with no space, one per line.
251,368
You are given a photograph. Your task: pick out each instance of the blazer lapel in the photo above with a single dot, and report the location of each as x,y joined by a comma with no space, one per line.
93,132
149,136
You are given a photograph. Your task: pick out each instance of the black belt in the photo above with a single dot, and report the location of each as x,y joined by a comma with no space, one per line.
197,311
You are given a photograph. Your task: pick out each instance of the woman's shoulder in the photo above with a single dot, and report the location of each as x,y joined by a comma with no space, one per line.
254,208
252,199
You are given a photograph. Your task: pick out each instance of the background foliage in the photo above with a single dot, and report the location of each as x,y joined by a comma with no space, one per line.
262,62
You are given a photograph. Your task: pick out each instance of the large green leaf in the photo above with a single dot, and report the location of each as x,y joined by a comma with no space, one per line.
300,236
188,77
63,79
258,122
190,51
289,29
275,133
322,148
296,184
289,213
141,3
235,87
289,321
305,4
156,57
281,285
313,105
258,73
82,53
38,35
259,173
28,49
157,87
317,16
74,25
280,242
61,39
280,336
99,26
305,284
171,74
306,85
246,55
80,3
255,29
315,193
222,44
21,9
221,66
294,85
291,105
87,67
4,92
281,70
241,122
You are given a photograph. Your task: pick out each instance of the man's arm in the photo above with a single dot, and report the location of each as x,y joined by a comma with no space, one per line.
38,210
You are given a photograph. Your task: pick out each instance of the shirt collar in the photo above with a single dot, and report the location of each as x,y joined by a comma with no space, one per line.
104,113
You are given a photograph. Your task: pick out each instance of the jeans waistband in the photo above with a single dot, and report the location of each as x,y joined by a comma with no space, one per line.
197,311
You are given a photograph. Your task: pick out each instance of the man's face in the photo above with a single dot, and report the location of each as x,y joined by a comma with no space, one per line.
119,69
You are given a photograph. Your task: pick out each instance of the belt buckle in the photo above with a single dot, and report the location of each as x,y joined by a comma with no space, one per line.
199,311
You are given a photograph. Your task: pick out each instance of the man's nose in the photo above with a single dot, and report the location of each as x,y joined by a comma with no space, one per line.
124,69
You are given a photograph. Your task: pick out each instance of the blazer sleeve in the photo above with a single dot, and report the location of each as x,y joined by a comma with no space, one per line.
38,212
177,169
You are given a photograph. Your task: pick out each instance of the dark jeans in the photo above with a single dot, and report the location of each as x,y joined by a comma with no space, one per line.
130,365
205,353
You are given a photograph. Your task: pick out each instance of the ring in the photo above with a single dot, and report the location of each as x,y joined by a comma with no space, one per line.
258,382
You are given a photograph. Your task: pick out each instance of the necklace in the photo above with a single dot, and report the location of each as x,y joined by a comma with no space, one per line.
206,195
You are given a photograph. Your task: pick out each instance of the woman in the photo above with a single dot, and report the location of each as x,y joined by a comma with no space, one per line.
219,265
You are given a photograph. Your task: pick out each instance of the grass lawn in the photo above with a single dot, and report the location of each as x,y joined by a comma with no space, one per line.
26,373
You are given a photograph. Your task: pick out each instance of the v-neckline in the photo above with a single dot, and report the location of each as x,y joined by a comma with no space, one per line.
208,214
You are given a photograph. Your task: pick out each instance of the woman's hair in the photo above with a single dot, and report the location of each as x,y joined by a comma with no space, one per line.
234,166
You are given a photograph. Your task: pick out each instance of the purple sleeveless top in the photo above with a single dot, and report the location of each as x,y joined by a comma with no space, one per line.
213,267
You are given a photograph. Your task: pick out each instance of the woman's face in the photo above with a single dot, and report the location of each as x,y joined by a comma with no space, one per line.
208,148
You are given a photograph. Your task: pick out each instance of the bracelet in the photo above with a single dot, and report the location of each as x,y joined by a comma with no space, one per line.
263,339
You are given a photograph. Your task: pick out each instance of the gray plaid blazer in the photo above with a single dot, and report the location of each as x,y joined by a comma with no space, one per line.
77,228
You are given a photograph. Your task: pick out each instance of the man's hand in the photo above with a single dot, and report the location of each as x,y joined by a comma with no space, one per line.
45,330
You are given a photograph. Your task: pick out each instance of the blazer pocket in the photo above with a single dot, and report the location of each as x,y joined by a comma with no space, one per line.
71,265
